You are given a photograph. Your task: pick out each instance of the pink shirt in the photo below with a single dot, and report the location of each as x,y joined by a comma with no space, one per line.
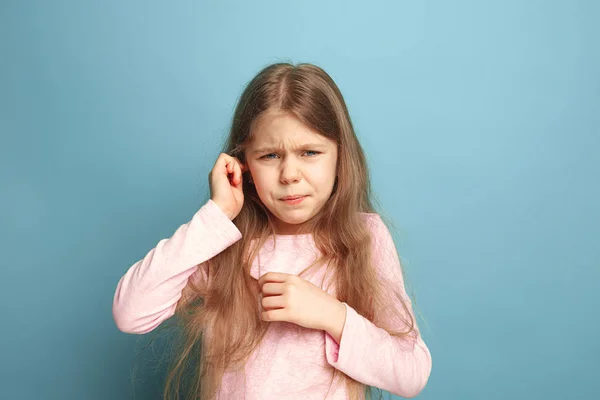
292,362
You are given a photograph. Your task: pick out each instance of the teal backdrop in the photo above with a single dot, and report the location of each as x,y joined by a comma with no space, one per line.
481,124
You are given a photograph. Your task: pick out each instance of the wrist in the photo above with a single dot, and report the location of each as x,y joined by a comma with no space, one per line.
336,320
224,210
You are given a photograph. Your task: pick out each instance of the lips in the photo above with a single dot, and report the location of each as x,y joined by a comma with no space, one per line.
292,197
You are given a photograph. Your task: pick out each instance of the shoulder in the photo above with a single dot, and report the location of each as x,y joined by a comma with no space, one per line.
371,218
376,225
385,255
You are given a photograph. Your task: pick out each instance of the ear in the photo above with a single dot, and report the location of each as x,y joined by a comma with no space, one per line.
246,171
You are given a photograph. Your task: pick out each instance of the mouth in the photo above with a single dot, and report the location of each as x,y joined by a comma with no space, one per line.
293,199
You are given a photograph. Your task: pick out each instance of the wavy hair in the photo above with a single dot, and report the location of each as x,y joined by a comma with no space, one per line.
219,316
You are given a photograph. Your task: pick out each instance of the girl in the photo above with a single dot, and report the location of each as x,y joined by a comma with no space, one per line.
286,282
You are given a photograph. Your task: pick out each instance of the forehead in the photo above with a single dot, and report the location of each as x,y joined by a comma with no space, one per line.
283,130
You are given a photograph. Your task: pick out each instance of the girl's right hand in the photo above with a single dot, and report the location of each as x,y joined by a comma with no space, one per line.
226,184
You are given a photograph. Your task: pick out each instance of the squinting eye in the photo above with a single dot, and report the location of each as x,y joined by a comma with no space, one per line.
267,156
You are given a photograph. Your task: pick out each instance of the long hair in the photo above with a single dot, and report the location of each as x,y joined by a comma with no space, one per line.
220,317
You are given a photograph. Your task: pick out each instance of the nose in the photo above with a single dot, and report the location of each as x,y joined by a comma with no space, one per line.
289,172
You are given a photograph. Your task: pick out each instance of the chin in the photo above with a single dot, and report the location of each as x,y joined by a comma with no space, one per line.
293,221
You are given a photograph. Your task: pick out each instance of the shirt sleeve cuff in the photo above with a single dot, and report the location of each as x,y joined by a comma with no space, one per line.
221,223
337,354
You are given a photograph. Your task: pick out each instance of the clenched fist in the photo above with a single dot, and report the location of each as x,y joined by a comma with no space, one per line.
290,298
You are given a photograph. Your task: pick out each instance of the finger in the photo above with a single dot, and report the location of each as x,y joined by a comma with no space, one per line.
227,159
274,315
273,277
231,171
272,289
224,159
220,164
229,174
238,172
272,302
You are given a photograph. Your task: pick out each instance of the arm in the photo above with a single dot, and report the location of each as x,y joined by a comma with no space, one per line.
368,353
149,291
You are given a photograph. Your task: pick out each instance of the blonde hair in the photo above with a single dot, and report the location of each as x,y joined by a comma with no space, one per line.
220,322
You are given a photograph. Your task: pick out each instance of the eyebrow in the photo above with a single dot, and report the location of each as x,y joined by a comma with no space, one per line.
269,149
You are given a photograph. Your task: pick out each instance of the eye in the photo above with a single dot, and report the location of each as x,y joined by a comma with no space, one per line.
311,151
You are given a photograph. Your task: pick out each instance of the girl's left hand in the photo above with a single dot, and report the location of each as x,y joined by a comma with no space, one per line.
292,299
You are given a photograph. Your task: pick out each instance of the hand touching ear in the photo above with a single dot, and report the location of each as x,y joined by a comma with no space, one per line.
292,299
226,185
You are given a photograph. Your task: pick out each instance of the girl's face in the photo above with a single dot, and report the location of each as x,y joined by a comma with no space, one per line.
286,158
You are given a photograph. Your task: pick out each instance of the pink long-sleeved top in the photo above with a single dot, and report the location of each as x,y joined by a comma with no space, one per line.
292,362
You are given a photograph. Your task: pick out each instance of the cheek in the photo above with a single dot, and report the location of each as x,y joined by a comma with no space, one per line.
263,184
324,175
262,179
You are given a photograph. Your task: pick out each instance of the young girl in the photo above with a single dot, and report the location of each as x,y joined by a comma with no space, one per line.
287,283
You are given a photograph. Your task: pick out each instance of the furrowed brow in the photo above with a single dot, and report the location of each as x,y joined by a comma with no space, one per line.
308,146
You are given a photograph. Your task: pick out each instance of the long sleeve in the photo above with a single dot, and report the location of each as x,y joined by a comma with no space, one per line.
371,355
147,294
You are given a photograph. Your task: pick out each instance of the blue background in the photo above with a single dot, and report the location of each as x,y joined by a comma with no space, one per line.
481,123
